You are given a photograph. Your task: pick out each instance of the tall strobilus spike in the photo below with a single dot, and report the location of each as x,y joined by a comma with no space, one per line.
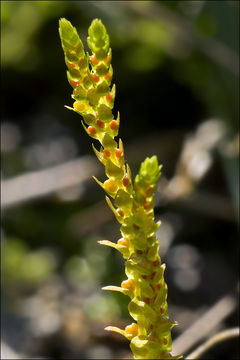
90,78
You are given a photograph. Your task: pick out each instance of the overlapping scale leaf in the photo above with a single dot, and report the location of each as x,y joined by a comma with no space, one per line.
143,348
75,56
98,40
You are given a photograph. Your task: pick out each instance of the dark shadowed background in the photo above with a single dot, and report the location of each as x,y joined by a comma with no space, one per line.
176,71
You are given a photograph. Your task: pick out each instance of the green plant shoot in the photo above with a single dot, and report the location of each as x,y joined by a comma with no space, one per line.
133,202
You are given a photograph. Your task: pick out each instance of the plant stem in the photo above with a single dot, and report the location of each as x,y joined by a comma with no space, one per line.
219,337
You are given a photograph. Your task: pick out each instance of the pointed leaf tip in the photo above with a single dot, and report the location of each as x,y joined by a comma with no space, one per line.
117,330
65,28
97,30
115,288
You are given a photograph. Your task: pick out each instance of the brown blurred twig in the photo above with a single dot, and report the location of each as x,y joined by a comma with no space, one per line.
40,183
8,353
32,185
207,323
219,337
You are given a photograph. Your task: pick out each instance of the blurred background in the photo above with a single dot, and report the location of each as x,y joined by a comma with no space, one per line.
177,76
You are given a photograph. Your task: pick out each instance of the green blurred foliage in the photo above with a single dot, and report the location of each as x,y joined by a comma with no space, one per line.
21,22
89,268
102,307
23,267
